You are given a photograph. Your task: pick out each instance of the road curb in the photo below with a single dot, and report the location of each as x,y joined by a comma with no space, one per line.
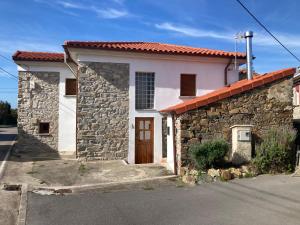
85,187
23,205
4,162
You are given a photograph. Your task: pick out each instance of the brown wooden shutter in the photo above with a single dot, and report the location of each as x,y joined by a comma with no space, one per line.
188,85
71,87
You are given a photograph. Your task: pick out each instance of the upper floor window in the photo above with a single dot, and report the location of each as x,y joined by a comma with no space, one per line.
144,90
188,85
71,87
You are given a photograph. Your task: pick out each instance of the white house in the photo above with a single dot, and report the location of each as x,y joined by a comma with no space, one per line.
103,99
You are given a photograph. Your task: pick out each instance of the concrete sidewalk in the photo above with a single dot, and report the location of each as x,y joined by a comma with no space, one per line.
9,207
48,170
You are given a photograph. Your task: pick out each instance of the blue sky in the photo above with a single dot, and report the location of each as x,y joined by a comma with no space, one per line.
43,25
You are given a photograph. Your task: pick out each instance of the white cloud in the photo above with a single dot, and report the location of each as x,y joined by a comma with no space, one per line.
260,38
111,13
290,40
70,5
194,32
106,13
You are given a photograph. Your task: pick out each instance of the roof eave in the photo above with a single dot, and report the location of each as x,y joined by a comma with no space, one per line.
66,45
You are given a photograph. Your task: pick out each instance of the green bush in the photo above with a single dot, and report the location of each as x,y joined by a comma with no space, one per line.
209,154
275,154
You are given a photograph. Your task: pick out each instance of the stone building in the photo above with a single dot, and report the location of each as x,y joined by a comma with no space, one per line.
102,100
262,103
111,100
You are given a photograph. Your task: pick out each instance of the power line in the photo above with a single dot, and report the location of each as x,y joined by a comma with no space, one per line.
266,29
9,73
6,58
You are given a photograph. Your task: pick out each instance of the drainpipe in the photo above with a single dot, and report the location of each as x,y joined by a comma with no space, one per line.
249,35
174,145
226,73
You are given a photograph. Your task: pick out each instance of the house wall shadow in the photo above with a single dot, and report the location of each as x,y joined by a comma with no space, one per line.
30,147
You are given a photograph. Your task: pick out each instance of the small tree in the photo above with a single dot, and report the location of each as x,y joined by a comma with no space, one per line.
8,116
209,154
275,154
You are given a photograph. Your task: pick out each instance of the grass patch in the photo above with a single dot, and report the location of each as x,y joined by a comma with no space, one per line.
82,169
248,175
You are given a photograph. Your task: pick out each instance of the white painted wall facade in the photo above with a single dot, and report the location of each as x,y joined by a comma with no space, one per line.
209,76
67,104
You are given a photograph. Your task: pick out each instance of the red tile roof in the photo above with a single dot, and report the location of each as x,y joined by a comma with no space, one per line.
38,56
234,89
153,47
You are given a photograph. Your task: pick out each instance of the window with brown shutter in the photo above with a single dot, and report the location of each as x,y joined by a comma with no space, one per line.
71,87
44,128
188,85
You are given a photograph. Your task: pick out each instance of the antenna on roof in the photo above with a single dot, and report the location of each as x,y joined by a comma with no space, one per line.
238,38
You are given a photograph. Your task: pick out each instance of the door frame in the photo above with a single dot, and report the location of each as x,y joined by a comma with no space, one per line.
151,138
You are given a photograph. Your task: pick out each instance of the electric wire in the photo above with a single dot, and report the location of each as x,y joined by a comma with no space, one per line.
267,30
10,74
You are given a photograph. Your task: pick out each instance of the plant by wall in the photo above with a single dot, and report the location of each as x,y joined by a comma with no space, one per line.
275,154
209,154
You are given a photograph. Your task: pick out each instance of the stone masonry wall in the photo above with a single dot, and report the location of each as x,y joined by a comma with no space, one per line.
264,107
38,102
103,110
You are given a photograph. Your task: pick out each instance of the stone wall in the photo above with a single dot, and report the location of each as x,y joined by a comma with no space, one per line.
38,102
264,107
103,110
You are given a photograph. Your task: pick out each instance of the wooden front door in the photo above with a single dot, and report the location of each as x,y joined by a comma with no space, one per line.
144,128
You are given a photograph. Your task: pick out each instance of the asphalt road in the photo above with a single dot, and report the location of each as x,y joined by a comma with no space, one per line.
7,135
263,201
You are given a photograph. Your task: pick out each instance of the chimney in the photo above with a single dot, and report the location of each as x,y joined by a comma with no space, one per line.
249,35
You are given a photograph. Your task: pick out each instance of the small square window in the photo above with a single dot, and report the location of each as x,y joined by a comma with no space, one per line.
44,128
71,87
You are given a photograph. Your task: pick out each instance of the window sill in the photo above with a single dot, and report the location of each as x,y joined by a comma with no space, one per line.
187,97
43,134
70,96
146,110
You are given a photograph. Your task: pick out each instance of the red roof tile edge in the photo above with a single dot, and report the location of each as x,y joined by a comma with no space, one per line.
234,89
154,47
38,56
